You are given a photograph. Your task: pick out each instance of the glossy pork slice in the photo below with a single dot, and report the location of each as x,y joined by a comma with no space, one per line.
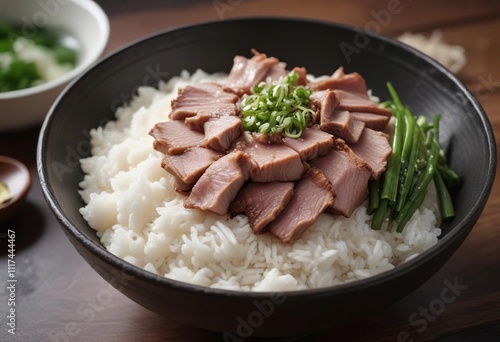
219,185
271,162
339,122
343,125
373,121
221,132
312,143
349,179
188,167
276,72
349,82
174,137
373,147
247,73
312,195
262,202
357,102
335,121
207,99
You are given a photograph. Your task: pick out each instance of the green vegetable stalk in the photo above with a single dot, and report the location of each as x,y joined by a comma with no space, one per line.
417,159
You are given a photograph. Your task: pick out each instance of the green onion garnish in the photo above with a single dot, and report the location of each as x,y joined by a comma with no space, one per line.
281,107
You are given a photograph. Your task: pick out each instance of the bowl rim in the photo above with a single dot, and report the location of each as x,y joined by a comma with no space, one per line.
406,267
98,13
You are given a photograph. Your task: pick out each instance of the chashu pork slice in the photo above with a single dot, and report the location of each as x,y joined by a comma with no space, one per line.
339,80
349,179
359,102
247,73
174,137
188,167
203,99
262,202
312,143
312,195
373,121
337,121
221,132
271,162
219,185
373,147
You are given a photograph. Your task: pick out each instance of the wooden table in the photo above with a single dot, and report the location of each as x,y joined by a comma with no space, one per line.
60,298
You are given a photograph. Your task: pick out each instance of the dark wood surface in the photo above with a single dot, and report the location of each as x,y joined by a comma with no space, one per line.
60,298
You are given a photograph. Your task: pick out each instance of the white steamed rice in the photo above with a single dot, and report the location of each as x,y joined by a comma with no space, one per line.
131,203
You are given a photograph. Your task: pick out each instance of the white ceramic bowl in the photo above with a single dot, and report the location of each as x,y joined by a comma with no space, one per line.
82,19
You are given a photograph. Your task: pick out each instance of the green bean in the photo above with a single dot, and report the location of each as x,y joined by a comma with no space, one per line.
409,209
374,196
407,184
444,198
420,189
380,215
450,177
426,177
391,176
408,137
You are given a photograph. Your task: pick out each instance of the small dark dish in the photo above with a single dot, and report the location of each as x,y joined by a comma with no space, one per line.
422,83
17,177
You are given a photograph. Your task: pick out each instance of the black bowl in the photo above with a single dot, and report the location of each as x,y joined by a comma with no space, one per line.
321,47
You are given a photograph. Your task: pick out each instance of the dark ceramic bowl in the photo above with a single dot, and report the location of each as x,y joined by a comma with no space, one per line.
321,47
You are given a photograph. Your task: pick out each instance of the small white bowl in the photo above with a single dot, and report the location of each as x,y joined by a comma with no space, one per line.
83,20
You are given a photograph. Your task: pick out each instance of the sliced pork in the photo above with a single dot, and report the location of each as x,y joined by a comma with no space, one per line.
262,202
312,143
373,121
207,99
247,73
221,132
335,121
349,179
343,125
374,148
188,167
276,72
313,194
174,137
347,82
357,102
219,185
339,122
272,162
196,122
